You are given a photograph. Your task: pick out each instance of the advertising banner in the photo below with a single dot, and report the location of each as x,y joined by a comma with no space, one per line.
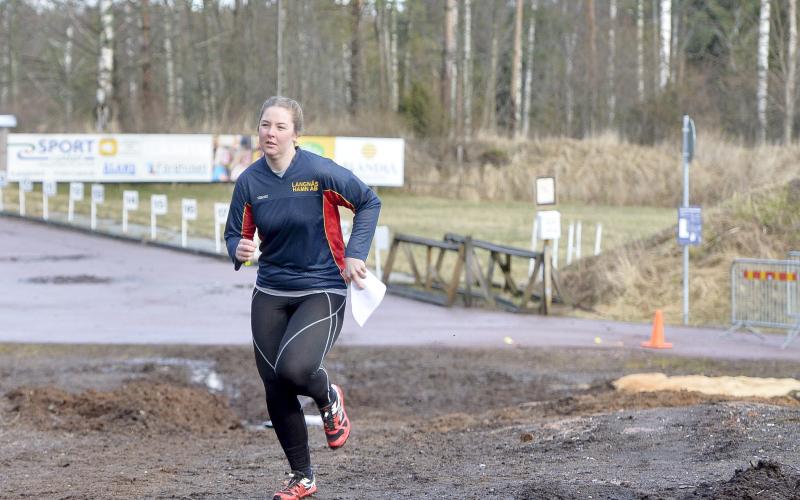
376,161
110,157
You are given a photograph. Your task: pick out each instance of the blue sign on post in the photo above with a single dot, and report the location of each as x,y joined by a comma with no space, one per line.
690,226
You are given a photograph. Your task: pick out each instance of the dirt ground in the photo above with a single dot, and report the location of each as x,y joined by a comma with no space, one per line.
98,421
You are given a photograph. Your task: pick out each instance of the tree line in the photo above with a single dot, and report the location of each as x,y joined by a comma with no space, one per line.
445,69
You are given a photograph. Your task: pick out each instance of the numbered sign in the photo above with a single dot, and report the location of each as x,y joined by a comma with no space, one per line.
382,237
221,212
76,191
189,209
158,204
3,180
26,185
49,187
130,200
98,193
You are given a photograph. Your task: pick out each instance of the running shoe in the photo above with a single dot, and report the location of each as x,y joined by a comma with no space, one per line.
298,486
334,418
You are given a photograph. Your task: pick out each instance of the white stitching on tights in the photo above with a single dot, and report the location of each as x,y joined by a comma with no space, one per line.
278,358
262,354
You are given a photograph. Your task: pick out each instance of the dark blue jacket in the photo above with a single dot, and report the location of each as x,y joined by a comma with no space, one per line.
297,219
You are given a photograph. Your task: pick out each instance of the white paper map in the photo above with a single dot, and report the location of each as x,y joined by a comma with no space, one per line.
365,300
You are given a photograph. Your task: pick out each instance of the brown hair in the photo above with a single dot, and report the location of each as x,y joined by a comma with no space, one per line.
286,103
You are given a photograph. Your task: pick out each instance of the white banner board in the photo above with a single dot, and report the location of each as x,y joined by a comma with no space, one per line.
76,191
221,212
189,206
49,187
376,161
110,158
98,194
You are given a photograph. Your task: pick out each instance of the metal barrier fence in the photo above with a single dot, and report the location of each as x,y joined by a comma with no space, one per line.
764,293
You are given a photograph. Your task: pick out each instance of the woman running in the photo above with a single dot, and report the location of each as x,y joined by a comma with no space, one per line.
291,197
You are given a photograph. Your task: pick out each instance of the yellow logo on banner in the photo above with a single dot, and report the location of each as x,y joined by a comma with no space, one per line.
321,145
369,151
107,146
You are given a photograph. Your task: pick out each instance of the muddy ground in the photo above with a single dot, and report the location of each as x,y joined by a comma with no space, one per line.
91,421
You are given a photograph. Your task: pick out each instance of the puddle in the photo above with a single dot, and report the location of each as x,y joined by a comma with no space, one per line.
77,279
200,371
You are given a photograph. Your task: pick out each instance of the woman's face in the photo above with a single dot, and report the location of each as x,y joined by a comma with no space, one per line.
276,134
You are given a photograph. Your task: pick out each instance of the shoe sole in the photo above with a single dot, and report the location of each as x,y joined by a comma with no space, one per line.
335,445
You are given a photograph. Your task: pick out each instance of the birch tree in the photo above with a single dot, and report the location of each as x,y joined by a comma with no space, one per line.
105,66
354,83
515,90
762,70
449,63
281,72
666,44
466,70
68,98
640,49
148,96
490,96
526,104
131,25
612,52
591,58
169,63
394,83
570,39
791,77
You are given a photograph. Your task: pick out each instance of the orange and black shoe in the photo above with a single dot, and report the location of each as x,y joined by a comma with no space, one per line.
298,486
334,418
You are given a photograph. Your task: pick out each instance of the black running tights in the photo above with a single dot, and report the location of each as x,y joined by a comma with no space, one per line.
291,336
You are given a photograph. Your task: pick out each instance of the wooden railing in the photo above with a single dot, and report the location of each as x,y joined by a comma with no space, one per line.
432,286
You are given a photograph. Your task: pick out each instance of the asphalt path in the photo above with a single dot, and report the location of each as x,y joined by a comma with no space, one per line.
63,285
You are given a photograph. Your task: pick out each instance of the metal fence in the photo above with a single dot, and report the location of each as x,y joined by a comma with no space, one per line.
764,293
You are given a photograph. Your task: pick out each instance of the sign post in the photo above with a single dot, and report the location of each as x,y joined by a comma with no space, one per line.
75,194
98,198
381,243
49,188
25,186
549,225
158,206
689,218
3,184
220,218
130,201
189,206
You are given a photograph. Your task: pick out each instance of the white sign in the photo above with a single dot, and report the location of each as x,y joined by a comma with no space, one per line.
3,180
49,187
76,191
548,223
26,185
98,193
221,212
382,237
545,190
130,200
189,208
8,121
376,161
158,204
112,157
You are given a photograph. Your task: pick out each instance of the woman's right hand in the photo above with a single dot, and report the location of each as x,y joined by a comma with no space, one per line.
245,250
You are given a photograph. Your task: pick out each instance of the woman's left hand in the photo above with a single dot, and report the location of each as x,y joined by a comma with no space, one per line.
355,270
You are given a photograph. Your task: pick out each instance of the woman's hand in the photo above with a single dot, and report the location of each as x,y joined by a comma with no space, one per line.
355,270
245,250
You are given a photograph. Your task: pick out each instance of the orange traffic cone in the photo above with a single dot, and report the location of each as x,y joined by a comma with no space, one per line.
657,338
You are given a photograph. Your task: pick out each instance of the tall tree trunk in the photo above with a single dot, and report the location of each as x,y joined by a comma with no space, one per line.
281,76
394,84
449,63
666,43
355,55
570,39
10,63
763,71
169,63
591,63
490,97
656,48
182,55
381,36
68,97
791,77
528,98
105,66
515,92
407,58
676,19
132,27
148,97
612,53
466,71
640,50
305,51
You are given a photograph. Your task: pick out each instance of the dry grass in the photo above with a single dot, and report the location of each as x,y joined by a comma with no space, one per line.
632,281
